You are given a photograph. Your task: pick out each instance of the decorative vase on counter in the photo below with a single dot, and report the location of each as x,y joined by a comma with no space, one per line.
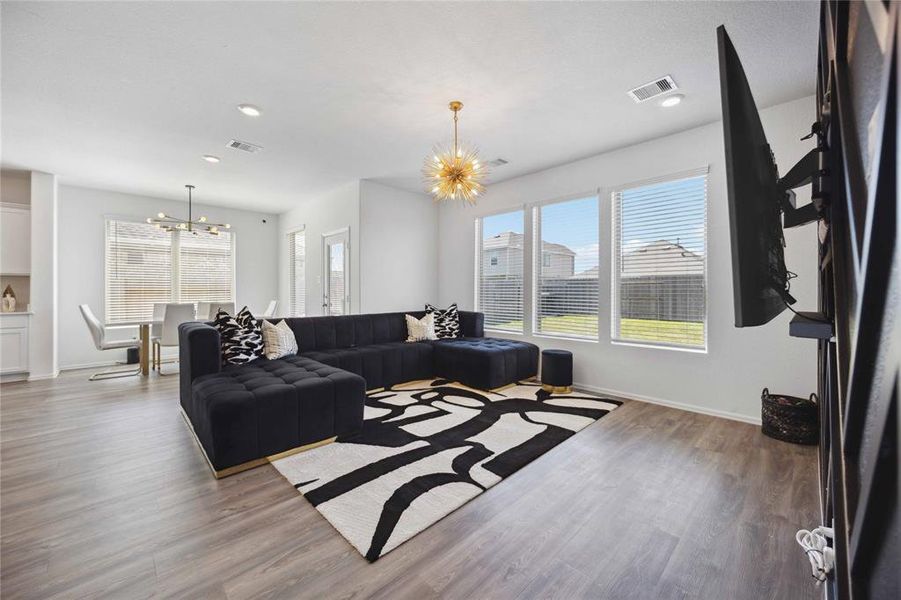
9,300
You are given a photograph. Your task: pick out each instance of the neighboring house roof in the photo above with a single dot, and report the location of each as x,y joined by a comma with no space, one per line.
661,258
507,239
510,239
552,248
591,273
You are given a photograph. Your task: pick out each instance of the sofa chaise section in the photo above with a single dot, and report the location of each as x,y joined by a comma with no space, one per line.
242,414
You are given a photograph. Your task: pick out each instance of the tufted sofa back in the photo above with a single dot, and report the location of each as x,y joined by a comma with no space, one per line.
349,331
199,352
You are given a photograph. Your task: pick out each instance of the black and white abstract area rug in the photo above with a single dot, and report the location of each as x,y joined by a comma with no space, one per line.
426,449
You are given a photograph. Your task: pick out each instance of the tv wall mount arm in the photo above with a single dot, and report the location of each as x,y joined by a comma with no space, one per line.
808,169
804,172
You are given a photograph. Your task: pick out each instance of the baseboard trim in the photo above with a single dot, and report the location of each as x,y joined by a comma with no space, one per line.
723,414
13,377
107,363
40,376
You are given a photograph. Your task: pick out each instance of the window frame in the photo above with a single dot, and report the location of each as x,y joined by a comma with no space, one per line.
291,272
174,266
615,248
526,224
537,248
107,219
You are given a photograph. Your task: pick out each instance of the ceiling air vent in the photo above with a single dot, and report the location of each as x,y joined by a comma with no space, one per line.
497,162
645,92
244,146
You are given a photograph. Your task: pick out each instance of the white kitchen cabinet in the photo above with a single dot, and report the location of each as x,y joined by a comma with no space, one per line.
15,240
14,342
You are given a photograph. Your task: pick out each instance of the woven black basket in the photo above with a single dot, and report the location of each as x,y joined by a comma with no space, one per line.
789,418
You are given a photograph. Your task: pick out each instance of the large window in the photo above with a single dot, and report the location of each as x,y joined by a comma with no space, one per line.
205,267
660,262
297,293
138,270
499,270
145,265
566,268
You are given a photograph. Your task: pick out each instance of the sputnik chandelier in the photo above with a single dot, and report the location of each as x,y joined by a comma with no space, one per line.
454,172
170,223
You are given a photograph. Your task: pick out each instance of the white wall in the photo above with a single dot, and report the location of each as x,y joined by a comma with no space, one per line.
727,380
321,215
81,255
398,249
44,330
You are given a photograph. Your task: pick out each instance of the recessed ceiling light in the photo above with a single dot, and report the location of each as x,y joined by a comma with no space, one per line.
210,158
672,100
250,110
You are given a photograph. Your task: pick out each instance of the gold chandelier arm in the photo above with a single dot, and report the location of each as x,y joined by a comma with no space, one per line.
455,106
455,134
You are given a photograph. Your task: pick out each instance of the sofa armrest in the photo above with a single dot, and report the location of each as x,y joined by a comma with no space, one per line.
199,353
472,324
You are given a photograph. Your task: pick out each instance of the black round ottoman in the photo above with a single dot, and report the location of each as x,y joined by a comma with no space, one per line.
557,371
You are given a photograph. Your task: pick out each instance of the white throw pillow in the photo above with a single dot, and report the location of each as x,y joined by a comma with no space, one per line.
278,340
421,329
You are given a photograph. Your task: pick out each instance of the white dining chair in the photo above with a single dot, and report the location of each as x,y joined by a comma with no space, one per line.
176,313
228,307
270,310
159,311
203,311
98,334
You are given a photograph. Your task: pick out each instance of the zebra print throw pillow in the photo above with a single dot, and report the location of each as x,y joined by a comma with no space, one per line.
241,339
246,320
447,321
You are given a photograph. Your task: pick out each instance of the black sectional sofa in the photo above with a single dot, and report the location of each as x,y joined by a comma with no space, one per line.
242,414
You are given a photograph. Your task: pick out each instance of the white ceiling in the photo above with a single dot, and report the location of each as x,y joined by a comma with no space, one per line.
128,96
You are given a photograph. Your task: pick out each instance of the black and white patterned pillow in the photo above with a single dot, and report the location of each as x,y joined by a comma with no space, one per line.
447,321
240,336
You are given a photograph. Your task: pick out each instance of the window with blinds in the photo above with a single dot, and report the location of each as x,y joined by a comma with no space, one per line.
500,243
205,267
566,268
138,270
660,262
145,265
297,292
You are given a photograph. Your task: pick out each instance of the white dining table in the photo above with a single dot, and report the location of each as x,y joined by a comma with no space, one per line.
144,328
144,339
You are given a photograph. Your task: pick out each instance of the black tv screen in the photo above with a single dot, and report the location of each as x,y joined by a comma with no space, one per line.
759,276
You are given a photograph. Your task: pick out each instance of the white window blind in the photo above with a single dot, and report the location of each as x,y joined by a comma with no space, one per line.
297,267
660,262
566,268
499,270
205,267
138,270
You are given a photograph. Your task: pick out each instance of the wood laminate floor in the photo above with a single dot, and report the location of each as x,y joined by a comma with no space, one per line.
104,494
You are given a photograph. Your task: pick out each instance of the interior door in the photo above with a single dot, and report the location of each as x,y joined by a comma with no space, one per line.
336,273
